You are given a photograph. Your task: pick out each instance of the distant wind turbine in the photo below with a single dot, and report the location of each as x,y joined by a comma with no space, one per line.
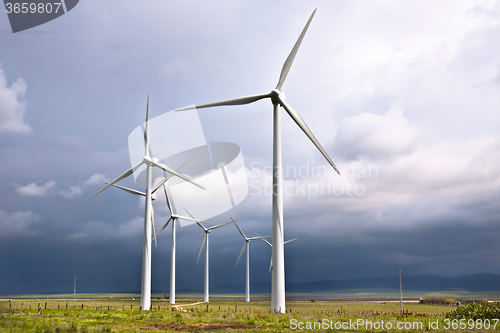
173,217
247,246
277,99
205,242
146,253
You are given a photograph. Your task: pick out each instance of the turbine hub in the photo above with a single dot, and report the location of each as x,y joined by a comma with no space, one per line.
276,95
153,196
147,160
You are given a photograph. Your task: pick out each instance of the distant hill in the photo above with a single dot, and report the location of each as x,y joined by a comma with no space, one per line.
473,283
484,282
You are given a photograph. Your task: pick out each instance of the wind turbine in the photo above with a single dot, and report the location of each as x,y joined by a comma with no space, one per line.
277,99
146,253
173,218
205,242
247,246
153,197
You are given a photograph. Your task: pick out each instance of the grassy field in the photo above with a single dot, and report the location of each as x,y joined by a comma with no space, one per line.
120,313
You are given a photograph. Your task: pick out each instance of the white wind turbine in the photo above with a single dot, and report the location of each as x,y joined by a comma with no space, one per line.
173,218
146,253
205,242
277,99
153,197
247,246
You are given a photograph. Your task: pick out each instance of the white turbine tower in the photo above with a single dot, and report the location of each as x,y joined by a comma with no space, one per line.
146,253
247,246
277,99
173,218
205,242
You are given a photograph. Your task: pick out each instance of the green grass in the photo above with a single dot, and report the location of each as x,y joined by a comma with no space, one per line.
227,314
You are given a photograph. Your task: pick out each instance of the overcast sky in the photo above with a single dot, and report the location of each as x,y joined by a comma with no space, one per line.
404,97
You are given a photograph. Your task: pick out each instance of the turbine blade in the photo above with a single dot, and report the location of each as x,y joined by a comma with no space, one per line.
242,249
252,238
271,264
166,179
201,247
271,245
172,171
241,232
227,102
146,131
219,225
129,190
165,225
199,222
291,56
299,121
123,175
189,213
190,219
168,201
153,223
291,240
